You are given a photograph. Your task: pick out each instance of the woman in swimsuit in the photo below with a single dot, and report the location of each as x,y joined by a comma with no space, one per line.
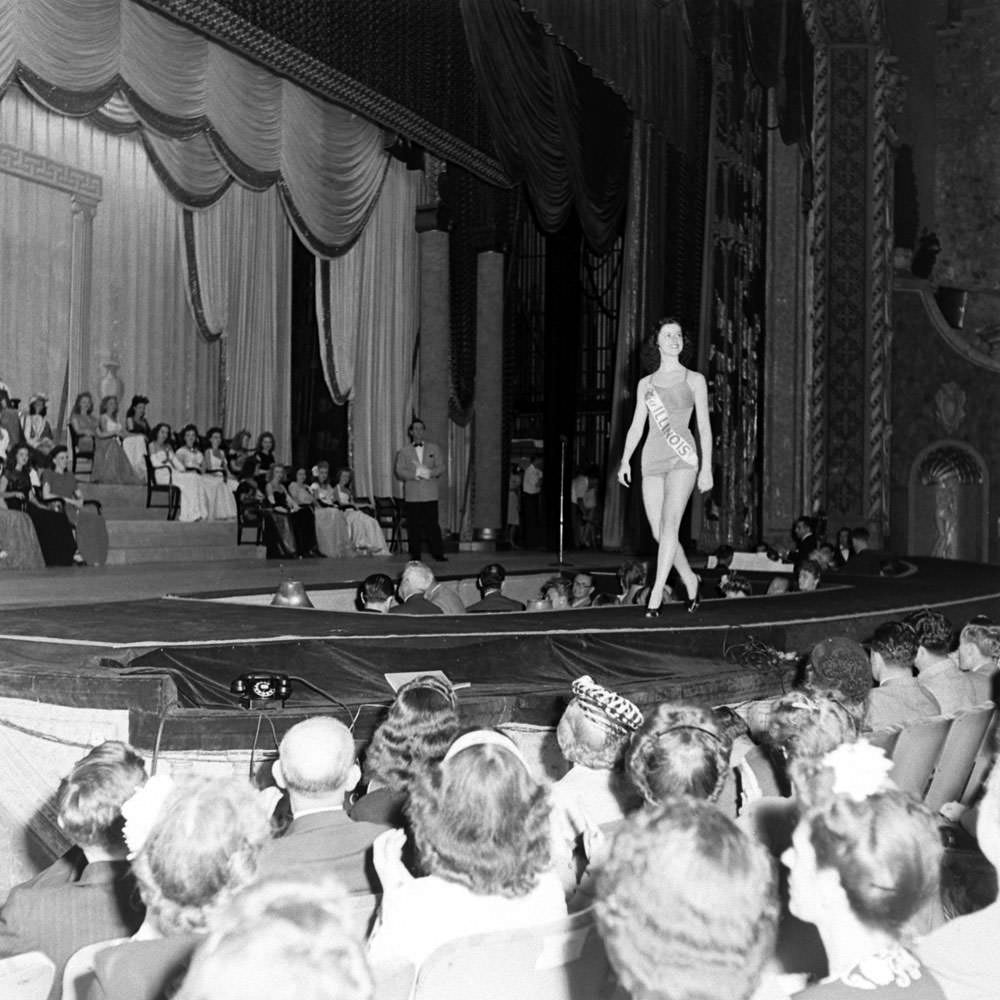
670,466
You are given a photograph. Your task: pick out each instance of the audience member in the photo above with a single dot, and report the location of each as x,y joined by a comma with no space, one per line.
481,826
736,585
89,894
422,723
804,534
864,859
864,561
582,591
445,596
632,587
962,954
843,550
716,575
282,938
978,654
199,841
937,671
376,593
416,580
558,592
593,734
490,584
898,698
808,575
679,750
318,768
687,905
826,556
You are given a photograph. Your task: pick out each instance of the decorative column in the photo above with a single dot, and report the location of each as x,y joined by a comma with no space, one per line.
81,275
851,251
434,386
489,476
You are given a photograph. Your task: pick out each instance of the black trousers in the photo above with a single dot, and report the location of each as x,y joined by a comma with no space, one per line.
422,526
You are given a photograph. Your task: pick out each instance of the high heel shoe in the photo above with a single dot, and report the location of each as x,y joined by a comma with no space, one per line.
653,612
693,603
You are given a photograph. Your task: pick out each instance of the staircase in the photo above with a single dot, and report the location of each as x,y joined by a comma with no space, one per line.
138,535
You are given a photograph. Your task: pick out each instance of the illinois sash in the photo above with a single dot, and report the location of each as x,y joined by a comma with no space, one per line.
660,417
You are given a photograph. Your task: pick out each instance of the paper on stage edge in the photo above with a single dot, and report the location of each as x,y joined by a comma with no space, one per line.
397,680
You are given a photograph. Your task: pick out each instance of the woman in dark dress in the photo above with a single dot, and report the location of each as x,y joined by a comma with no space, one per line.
263,459
55,533
289,529
19,548
61,491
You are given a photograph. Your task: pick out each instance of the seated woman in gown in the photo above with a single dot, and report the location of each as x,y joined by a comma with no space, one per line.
84,422
9,421
111,465
263,458
35,425
239,459
289,530
366,535
221,505
53,530
61,491
19,548
166,469
137,434
333,536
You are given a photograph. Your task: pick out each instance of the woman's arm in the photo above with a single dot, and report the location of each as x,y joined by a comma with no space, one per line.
634,435
700,389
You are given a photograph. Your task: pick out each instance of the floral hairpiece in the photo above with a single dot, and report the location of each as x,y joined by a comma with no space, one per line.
143,809
860,770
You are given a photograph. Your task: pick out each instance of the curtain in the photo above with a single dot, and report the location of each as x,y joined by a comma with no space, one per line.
556,128
228,117
238,256
367,305
138,312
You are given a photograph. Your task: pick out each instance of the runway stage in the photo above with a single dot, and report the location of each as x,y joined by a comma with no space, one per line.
148,642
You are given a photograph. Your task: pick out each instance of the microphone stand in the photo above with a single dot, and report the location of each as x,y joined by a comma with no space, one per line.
562,501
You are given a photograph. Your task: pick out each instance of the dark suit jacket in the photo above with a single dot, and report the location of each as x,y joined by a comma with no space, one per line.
495,601
59,916
416,605
143,970
867,562
420,490
327,842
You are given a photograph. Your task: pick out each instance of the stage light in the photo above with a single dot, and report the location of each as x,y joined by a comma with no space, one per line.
291,594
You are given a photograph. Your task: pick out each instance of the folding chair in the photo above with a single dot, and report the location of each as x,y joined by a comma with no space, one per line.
917,752
958,756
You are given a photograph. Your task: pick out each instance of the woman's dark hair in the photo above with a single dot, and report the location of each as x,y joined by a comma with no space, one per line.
632,573
27,451
260,440
136,400
4,397
106,403
649,352
156,430
39,406
57,451
421,725
215,430
481,820
80,398
190,427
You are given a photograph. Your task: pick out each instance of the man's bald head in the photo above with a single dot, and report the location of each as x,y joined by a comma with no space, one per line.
316,757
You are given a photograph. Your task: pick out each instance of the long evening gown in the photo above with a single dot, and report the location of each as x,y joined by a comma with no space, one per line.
333,536
52,529
18,539
219,501
194,506
111,464
366,535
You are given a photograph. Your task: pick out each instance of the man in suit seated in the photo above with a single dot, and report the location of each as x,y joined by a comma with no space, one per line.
490,584
864,561
978,655
937,671
89,894
898,699
318,767
416,580
376,593
583,591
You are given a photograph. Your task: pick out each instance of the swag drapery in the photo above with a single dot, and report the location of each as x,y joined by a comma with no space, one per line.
208,117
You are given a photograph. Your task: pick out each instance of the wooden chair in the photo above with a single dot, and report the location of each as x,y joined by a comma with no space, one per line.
917,752
249,517
168,489
78,452
26,977
563,960
958,756
390,519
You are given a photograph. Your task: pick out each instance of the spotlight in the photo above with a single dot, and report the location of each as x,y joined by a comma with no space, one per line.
291,594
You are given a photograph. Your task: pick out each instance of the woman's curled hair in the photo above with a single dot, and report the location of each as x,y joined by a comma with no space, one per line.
422,722
481,820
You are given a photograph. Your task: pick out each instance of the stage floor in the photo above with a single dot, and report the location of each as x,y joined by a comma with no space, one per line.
139,638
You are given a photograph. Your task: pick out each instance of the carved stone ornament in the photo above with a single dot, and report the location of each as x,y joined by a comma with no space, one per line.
949,406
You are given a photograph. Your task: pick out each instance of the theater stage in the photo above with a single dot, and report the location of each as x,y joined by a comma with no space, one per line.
154,643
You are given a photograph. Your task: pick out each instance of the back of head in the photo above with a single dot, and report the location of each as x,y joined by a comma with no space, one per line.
883,844
480,819
417,578
737,585
282,938
985,637
316,756
896,643
724,555
678,750
860,538
376,588
687,905
90,797
597,725
933,630
841,664
632,574
421,725
491,577
202,848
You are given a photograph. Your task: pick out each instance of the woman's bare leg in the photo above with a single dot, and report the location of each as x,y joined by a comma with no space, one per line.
652,500
677,486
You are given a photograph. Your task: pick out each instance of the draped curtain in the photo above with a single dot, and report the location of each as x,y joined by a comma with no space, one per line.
367,306
556,128
238,255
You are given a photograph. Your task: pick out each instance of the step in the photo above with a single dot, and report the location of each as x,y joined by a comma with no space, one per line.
144,533
129,555
113,496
